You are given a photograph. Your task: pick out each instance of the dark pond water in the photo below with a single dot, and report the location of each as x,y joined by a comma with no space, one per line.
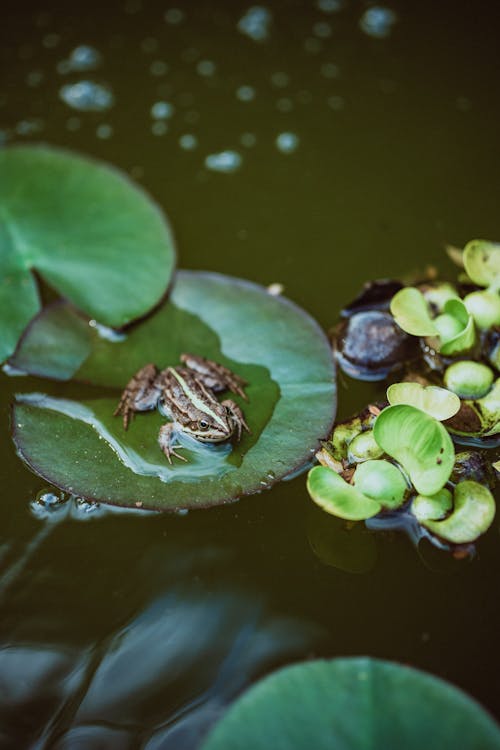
358,157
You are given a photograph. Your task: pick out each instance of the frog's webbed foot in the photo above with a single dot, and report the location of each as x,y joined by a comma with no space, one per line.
215,376
237,415
165,438
141,394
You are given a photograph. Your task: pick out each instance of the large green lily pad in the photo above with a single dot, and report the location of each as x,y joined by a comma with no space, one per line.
353,704
89,232
82,448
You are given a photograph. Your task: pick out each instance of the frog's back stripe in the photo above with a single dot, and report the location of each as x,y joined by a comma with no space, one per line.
194,398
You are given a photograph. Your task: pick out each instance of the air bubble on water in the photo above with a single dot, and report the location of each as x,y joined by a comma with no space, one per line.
256,23
82,508
159,127
224,161
162,110
48,503
245,93
34,78
287,143
87,96
330,70
248,140
336,103
30,126
82,58
330,6
73,123
158,68
284,104
280,79
181,512
378,21
206,68
104,131
322,30
174,16
188,142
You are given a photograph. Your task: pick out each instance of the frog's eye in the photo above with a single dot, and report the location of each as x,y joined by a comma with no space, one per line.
203,424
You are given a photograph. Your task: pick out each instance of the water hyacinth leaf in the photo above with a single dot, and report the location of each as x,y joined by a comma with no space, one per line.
336,496
478,418
363,447
411,313
437,402
284,357
419,443
437,294
432,508
484,308
472,515
468,379
382,481
353,704
462,336
482,262
90,233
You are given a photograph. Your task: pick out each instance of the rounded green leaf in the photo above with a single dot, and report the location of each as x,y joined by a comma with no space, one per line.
437,402
411,312
473,513
363,447
274,345
468,379
482,262
89,232
353,704
461,336
382,481
419,443
333,494
438,293
484,308
432,508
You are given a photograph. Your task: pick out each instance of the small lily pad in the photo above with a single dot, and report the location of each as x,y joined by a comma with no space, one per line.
411,312
419,443
336,496
353,704
437,402
482,262
472,515
382,481
90,233
270,342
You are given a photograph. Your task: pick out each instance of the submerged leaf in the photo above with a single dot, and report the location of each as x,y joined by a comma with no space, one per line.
81,447
353,704
437,402
419,443
91,234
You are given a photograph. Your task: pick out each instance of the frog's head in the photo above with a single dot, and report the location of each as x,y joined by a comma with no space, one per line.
213,425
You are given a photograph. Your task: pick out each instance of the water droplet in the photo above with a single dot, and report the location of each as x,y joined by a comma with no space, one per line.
245,93
162,110
287,142
224,161
256,23
206,68
87,96
82,508
188,142
49,499
174,16
378,21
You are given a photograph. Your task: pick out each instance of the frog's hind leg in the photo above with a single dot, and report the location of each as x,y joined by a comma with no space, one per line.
215,376
165,439
141,394
237,415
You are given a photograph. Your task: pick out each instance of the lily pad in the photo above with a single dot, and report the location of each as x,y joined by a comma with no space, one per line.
336,496
482,262
353,704
411,312
270,342
437,402
472,515
87,230
419,443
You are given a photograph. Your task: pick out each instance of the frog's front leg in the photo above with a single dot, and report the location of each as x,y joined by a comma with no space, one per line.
141,394
237,416
165,439
215,376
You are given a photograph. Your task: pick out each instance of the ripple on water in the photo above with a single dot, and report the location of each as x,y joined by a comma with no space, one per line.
87,96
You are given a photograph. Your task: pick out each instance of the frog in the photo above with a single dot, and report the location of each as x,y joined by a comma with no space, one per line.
185,394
